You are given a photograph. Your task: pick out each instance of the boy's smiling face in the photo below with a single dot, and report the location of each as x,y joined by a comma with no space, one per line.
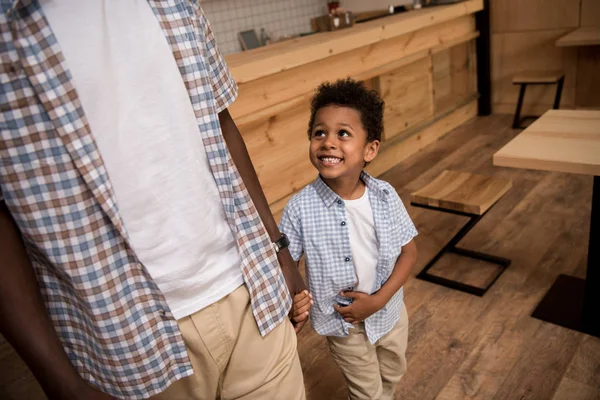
338,143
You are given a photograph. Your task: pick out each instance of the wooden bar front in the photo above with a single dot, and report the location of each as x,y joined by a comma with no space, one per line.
422,62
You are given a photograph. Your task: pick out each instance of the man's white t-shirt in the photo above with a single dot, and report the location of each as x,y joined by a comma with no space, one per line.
363,241
142,119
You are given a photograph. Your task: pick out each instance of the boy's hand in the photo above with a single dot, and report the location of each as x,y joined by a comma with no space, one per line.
362,307
300,309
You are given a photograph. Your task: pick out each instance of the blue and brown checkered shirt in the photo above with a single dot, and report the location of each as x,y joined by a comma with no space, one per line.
111,317
313,221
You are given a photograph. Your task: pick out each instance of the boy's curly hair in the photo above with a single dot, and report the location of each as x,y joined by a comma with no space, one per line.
352,94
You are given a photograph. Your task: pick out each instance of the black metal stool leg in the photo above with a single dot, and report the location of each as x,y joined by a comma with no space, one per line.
517,120
559,88
450,247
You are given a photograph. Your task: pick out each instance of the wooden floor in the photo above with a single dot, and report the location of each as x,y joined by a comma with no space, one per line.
462,346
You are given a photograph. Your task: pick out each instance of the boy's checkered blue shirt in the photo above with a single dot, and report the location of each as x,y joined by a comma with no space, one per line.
315,222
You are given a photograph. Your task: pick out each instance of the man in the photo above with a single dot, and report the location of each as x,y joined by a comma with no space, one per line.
137,249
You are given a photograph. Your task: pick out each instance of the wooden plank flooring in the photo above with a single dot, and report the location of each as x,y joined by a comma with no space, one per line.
462,346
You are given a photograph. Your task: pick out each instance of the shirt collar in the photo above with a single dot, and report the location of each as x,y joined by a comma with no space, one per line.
329,196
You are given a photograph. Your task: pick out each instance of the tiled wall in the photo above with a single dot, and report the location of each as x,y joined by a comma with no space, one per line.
278,17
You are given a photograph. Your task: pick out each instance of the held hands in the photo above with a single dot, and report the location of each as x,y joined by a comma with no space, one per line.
300,309
362,307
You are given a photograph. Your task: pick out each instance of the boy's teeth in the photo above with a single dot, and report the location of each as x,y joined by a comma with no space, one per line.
331,159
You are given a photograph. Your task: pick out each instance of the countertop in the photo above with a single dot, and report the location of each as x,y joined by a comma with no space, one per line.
264,61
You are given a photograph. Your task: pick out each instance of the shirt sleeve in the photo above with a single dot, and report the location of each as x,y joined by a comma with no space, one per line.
224,87
402,220
291,226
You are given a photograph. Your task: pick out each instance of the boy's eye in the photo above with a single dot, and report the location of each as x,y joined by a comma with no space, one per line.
318,133
343,133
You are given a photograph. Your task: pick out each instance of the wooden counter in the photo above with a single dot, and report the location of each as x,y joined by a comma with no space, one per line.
422,62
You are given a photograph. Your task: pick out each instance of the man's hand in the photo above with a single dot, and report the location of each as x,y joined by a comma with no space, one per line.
362,307
300,309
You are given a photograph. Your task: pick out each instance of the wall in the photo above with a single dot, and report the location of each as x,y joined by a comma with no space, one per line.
278,17
523,39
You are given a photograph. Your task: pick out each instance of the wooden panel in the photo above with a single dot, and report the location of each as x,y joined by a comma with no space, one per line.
462,191
454,76
590,13
407,96
279,150
394,152
587,92
532,15
560,140
513,53
271,90
268,60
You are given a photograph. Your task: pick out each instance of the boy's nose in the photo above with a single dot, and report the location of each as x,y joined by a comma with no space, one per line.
328,143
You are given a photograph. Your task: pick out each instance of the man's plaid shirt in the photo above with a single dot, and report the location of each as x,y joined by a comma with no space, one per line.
111,317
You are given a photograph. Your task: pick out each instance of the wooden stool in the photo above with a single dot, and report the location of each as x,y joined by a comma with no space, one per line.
537,78
465,194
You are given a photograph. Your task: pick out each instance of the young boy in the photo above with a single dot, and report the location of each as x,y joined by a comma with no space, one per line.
357,239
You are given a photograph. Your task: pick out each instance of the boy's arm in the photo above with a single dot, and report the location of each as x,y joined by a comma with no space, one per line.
25,323
241,158
364,305
401,272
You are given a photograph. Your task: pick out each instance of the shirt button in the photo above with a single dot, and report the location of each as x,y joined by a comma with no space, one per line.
339,202
162,313
343,223
347,259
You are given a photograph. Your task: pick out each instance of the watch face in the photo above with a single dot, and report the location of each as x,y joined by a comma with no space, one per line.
284,241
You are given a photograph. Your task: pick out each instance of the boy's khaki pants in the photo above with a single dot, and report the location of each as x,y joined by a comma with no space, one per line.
232,361
372,371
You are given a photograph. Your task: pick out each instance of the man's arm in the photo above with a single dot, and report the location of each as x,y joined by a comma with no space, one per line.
240,156
25,323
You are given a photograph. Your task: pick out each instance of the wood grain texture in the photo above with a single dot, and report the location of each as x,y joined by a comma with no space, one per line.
469,347
533,15
584,36
560,140
462,192
395,151
407,95
274,89
269,60
278,147
454,75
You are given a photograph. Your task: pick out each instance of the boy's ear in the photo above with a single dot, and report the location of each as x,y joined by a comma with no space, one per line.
371,151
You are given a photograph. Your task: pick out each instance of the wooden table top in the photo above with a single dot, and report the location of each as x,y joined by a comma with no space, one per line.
584,36
560,140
